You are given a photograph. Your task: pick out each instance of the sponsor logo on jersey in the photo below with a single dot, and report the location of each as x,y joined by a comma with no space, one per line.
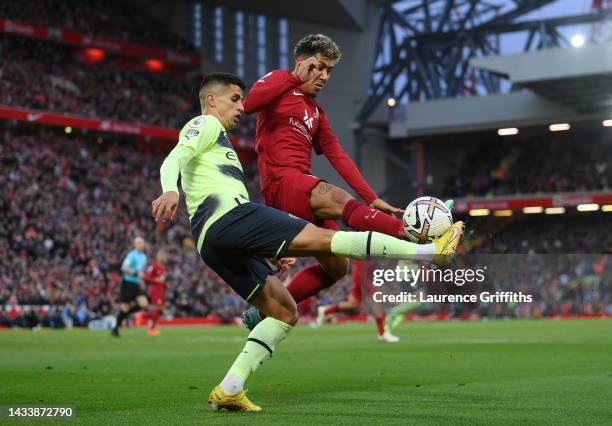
231,155
197,122
299,127
191,133
297,93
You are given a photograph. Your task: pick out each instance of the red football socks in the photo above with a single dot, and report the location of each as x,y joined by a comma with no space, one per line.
362,218
154,316
308,282
380,324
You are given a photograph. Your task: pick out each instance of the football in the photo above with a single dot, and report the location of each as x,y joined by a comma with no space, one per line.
426,218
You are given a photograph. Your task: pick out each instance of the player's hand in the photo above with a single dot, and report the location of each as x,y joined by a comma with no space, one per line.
164,208
287,262
307,69
385,207
284,267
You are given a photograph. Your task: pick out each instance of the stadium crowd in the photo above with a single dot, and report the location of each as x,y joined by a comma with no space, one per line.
524,167
48,76
69,212
111,19
71,207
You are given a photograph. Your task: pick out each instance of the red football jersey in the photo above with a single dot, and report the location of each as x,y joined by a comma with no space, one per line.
155,277
289,125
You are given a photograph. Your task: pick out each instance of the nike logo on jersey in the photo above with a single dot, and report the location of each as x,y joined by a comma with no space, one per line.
297,94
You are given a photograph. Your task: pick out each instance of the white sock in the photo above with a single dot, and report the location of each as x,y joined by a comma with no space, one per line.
425,252
232,384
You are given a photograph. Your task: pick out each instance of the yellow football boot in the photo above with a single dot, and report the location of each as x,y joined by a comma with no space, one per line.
238,402
447,243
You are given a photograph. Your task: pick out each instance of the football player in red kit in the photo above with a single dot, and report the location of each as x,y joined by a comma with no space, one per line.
362,283
290,123
155,277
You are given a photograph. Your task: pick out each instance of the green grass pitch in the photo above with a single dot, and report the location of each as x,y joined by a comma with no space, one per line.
496,372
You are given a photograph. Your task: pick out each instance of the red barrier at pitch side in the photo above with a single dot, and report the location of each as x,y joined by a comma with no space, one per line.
34,116
77,122
464,205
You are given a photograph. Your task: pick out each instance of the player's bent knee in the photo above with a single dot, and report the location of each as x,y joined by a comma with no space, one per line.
286,314
290,318
276,302
328,201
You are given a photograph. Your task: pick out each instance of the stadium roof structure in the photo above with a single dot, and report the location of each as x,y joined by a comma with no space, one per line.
343,14
561,84
579,78
440,68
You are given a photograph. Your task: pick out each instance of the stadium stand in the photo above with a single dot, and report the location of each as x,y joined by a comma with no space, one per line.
115,20
61,81
99,195
71,206
525,167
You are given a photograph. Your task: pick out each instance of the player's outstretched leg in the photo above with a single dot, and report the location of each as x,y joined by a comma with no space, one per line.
281,315
314,241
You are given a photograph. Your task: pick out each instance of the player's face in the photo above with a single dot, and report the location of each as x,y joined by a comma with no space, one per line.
139,244
228,105
321,74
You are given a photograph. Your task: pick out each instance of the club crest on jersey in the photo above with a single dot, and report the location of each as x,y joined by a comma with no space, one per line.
197,122
191,133
309,119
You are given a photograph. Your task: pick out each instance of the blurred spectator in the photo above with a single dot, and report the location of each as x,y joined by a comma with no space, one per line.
48,76
70,207
116,20
527,166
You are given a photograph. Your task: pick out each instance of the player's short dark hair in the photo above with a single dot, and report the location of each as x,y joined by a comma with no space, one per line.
317,43
223,78
218,78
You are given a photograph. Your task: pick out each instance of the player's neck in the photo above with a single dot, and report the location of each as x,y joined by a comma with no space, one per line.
213,113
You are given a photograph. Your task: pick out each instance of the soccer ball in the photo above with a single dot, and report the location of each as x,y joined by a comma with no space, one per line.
426,218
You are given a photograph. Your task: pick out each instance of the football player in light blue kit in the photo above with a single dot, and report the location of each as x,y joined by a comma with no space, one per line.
133,268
